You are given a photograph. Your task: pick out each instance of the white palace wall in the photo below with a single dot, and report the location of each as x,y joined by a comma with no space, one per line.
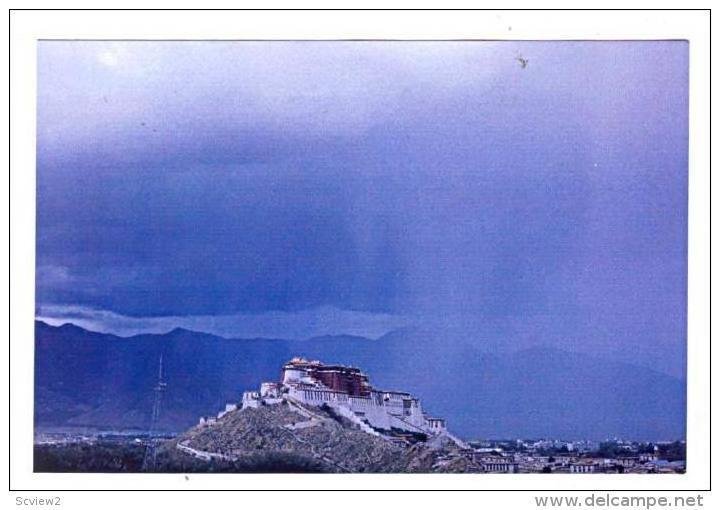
382,410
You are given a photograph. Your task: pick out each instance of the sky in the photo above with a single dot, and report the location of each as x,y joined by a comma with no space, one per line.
292,189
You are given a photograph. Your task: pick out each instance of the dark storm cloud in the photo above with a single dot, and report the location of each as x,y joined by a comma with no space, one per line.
426,179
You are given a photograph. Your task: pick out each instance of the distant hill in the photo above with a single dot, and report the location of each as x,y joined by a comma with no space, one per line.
94,379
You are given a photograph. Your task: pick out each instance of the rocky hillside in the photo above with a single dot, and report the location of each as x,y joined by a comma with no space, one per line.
292,438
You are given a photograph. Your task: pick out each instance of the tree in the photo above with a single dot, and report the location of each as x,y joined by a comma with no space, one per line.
672,451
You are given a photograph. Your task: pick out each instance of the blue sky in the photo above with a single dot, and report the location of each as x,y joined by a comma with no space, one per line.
225,185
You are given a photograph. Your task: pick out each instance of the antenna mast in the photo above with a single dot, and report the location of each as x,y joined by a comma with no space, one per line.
151,448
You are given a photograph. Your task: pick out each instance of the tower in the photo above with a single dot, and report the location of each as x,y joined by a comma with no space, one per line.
150,449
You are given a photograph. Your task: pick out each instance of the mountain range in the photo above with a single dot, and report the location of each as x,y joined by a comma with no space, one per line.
85,378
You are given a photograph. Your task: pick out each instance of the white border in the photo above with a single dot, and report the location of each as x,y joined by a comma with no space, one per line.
28,26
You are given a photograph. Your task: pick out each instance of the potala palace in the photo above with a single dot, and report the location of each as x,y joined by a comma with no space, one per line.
347,391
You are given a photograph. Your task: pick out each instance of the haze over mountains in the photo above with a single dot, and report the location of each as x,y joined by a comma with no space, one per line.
101,380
